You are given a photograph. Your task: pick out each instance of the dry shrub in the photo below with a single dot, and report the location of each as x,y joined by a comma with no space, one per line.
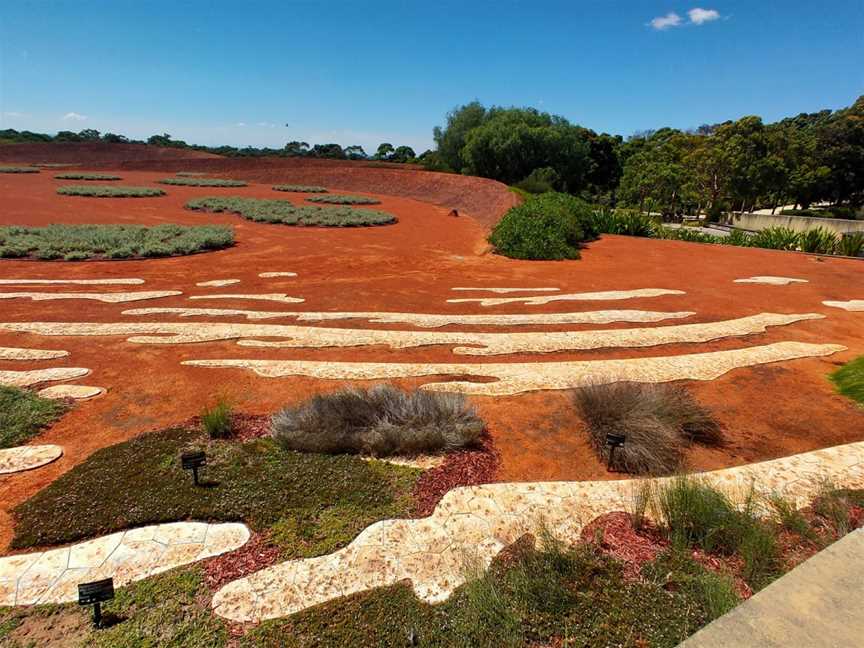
657,421
380,421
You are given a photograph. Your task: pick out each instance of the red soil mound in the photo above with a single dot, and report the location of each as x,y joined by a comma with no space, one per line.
89,153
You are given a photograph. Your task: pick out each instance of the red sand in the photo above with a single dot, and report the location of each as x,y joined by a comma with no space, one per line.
768,411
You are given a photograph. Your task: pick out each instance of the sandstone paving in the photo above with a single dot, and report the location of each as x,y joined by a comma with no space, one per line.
36,376
771,280
75,392
27,457
607,295
108,298
16,353
276,297
851,305
77,282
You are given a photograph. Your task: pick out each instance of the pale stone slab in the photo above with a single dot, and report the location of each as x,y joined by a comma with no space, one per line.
216,283
126,556
478,521
277,297
608,295
476,343
771,281
273,275
109,298
77,282
428,320
421,462
15,353
77,392
516,378
508,290
36,376
27,457
854,305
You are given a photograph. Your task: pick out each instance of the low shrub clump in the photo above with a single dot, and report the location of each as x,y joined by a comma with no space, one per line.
380,422
193,181
300,188
87,176
344,199
82,242
776,238
14,169
23,414
851,244
310,504
216,420
849,379
548,226
627,222
107,191
286,213
658,422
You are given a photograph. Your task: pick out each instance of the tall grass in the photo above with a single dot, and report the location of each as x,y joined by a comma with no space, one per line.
216,420
849,379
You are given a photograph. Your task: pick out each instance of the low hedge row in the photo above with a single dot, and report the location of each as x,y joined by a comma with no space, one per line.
286,213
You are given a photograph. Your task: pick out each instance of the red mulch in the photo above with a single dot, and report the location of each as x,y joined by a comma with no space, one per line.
256,554
615,536
245,427
460,468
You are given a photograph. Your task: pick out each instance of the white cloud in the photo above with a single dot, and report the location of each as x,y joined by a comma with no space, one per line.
73,116
700,16
240,124
13,114
665,22
265,124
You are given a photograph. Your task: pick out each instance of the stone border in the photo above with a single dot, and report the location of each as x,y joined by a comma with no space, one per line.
769,280
217,283
16,353
109,298
23,458
277,297
52,576
273,275
508,290
609,295
478,521
36,376
853,305
78,282
76,392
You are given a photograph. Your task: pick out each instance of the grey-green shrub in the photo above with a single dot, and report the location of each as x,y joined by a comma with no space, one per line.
108,191
380,422
300,188
14,169
188,181
80,242
344,199
87,176
286,213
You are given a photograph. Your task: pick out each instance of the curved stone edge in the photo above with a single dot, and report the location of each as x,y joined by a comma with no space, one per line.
16,353
108,298
770,280
608,295
23,458
77,282
478,521
36,376
217,283
516,378
77,392
52,576
506,290
277,297
853,305
273,275
428,320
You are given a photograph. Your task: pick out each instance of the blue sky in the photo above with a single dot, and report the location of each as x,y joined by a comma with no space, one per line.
363,72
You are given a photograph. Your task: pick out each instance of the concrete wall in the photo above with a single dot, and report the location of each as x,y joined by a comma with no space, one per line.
759,222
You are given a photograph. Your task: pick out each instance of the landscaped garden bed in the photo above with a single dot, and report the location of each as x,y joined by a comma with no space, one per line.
286,213
344,199
300,188
87,176
18,169
193,181
84,242
108,191
23,415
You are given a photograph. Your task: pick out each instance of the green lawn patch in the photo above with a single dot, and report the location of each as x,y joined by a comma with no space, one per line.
107,191
849,380
192,181
82,242
312,503
86,176
300,188
23,414
14,169
344,199
285,212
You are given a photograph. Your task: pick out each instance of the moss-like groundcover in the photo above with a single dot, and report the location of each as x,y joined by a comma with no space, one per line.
300,188
193,181
849,379
344,199
23,414
83,242
286,213
14,169
311,504
107,191
87,176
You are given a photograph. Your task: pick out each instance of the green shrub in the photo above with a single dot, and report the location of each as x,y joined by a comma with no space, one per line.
685,234
737,238
546,226
79,242
776,238
286,213
625,221
818,241
23,414
540,180
107,191
658,422
189,181
189,174
341,199
380,421
300,188
216,420
851,245
14,169
86,176
849,379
